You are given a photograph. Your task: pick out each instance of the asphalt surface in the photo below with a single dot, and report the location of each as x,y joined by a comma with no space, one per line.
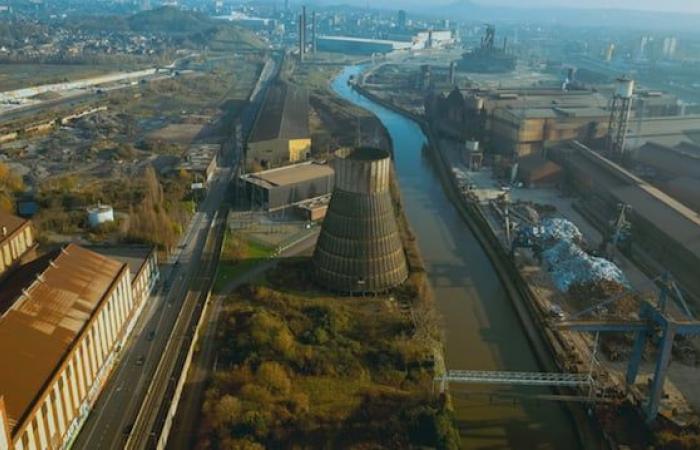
114,413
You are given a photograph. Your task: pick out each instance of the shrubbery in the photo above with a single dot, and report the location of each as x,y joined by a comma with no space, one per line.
313,371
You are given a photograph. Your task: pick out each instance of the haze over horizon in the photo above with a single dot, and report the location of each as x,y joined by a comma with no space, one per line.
681,6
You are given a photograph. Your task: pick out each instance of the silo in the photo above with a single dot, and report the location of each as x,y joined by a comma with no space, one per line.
359,249
99,215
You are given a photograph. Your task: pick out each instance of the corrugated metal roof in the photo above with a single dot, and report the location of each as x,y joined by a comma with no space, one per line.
290,174
680,223
9,224
53,298
284,114
135,256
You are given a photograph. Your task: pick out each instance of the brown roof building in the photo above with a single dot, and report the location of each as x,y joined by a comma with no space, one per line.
16,238
519,122
63,317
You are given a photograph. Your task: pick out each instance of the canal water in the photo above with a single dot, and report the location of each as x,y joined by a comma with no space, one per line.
481,326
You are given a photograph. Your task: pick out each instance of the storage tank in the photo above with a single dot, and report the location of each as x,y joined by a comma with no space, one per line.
471,146
359,249
100,214
625,88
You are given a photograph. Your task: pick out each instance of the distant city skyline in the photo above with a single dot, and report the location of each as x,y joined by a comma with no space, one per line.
683,6
650,5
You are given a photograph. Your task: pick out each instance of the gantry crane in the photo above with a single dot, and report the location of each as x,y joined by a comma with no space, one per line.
654,323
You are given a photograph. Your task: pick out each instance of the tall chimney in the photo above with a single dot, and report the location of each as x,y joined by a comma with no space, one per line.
313,33
304,27
301,38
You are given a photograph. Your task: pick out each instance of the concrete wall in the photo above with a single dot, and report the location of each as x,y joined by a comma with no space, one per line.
269,154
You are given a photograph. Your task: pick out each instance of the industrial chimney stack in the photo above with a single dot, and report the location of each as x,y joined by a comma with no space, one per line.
313,33
301,37
359,250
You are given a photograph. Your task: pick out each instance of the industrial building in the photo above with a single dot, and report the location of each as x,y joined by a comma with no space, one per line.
201,161
520,122
360,46
280,135
142,262
391,42
63,318
280,188
676,170
666,233
489,57
359,249
16,238
667,131
522,132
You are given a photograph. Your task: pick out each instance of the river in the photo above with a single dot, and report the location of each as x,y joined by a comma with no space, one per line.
481,327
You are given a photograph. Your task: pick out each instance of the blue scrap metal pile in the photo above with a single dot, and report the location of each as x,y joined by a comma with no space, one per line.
568,264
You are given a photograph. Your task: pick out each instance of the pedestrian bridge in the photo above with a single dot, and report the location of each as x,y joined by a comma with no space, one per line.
515,378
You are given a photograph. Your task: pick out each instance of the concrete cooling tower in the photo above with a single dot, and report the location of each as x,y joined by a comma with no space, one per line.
359,249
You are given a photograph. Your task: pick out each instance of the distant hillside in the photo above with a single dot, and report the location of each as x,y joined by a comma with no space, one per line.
194,27
169,19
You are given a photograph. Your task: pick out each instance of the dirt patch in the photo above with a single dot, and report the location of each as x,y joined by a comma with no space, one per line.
178,133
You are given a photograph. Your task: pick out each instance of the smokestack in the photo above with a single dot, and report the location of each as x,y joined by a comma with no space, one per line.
303,27
453,68
301,38
313,33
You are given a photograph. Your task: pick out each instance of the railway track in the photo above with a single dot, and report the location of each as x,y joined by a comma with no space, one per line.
153,413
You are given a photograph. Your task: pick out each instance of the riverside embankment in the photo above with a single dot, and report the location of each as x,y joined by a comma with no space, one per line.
484,331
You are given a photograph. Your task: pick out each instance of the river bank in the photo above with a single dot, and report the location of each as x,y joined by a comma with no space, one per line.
482,329
531,317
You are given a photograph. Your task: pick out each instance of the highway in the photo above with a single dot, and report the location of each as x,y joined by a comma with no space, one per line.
115,411
114,416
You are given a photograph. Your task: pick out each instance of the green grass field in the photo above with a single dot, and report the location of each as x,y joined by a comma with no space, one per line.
232,264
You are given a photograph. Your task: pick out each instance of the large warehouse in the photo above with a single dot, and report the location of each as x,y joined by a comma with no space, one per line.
63,318
280,188
16,237
280,134
359,46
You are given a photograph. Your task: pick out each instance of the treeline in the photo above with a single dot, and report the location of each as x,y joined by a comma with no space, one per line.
149,221
10,184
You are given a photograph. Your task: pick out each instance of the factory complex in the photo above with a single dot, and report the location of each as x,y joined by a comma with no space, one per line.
520,122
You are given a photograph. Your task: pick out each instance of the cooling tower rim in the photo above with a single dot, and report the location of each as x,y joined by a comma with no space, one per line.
365,153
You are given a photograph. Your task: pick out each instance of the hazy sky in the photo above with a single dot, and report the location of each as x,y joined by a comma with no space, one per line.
654,5
657,5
